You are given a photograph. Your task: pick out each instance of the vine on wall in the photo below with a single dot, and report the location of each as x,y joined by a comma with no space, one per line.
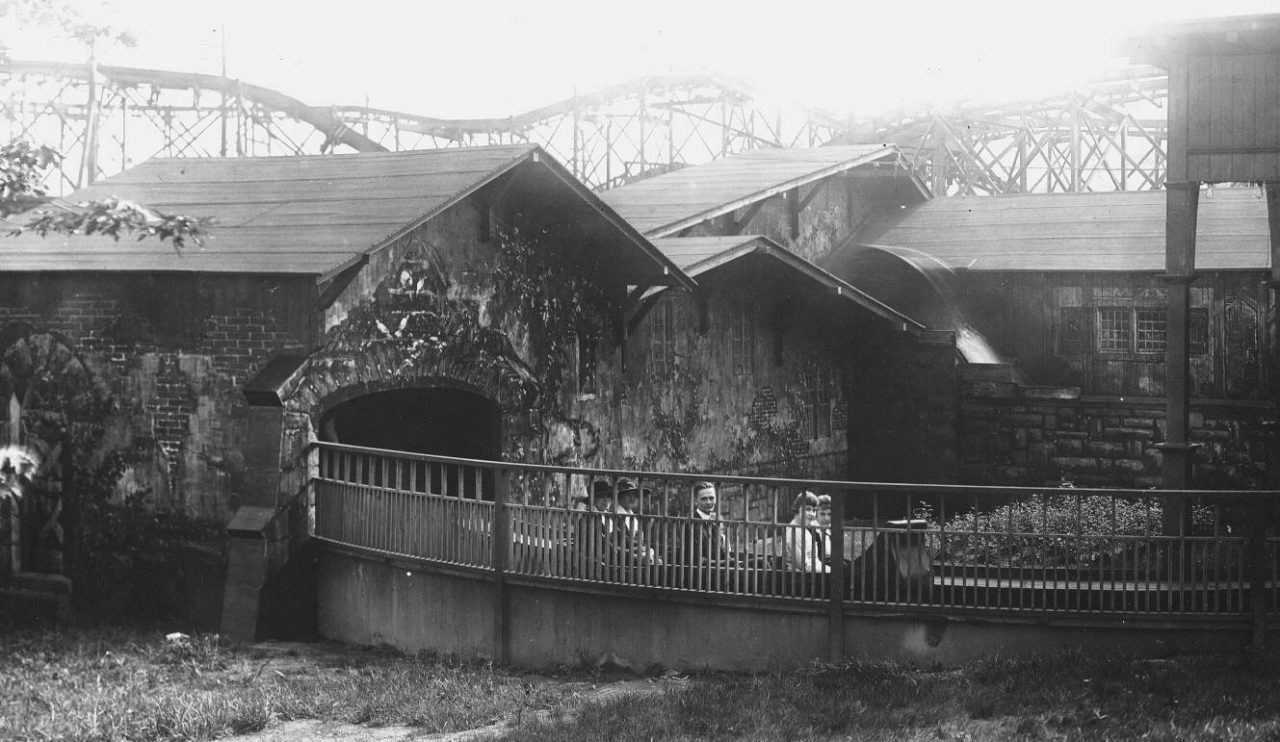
519,320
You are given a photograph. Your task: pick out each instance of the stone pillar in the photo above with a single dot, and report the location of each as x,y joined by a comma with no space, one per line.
258,538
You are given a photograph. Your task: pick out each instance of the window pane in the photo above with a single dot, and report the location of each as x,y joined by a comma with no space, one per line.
1113,330
1151,330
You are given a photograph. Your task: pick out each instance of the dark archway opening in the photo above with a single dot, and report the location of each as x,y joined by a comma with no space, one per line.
444,422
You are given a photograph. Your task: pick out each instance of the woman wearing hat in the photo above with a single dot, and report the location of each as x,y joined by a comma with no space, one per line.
638,542
802,548
599,541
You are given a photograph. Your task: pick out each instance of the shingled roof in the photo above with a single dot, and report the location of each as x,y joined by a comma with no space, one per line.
310,215
663,205
1122,231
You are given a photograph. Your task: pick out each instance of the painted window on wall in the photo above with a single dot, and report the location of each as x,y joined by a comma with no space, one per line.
742,337
817,402
588,346
664,330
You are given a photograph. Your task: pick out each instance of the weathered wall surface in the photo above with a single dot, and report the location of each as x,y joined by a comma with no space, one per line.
167,356
367,601
906,393
741,396
837,207
1052,324
716,387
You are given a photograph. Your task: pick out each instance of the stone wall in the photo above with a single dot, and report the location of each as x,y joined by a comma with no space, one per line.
1012,435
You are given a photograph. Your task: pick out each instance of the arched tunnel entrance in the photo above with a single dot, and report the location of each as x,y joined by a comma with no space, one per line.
441,421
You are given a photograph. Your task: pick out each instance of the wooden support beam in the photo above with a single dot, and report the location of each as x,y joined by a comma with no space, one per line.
736,226
1272,188
1182,200
793,213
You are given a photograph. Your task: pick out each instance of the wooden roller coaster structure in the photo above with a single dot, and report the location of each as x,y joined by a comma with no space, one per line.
1107,136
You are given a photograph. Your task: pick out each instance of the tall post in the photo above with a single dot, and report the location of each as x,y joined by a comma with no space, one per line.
501,546
222,105
1180,259
835,615
89,162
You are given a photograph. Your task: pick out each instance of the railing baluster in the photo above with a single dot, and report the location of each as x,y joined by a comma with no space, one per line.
1074,553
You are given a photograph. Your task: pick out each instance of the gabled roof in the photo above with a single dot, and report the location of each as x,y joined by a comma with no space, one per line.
698,255
306,215
1121,231
663,205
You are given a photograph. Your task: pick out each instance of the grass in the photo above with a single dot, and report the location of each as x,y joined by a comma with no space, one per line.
130,685
124,685
1065,696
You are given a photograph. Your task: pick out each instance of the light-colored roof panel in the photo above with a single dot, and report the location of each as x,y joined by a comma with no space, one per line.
1122,231
698,255
664,204
302,215
689,251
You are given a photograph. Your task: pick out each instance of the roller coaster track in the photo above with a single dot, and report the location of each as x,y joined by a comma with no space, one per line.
1107,136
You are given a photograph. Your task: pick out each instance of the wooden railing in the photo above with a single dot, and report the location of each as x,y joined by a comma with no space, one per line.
936,548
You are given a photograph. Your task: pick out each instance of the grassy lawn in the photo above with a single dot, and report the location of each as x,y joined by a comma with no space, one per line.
1063,696
118,685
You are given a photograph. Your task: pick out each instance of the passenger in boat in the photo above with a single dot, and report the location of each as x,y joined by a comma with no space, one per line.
639,544
801,542
705,540
599,539
822,534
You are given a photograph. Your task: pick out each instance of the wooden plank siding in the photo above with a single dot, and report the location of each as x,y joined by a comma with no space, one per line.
1224,117
1023,314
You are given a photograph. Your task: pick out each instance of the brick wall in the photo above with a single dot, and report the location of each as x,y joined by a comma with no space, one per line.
176,389
237,342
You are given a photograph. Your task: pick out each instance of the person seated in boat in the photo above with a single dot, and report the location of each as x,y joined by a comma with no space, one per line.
599,542
802,541
704,540
636,532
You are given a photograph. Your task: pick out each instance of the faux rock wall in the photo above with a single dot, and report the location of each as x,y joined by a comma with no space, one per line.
1043,436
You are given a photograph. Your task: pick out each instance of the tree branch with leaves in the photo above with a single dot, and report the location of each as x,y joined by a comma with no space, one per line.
22,168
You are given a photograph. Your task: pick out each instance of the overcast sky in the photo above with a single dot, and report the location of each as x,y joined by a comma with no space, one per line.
499,58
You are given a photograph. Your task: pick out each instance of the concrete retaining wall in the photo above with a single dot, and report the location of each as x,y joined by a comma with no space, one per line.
377,602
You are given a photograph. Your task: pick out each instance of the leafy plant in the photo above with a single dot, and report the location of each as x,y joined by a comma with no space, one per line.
1045,530
22,167
113,217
